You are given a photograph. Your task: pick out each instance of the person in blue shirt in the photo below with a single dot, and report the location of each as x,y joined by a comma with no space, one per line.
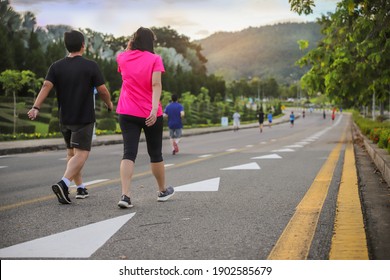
270,118
175,112
292,118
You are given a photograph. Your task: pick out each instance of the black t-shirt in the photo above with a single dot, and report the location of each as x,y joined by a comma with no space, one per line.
261,117
74,79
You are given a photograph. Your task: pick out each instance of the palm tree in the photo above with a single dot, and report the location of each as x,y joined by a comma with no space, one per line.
9,18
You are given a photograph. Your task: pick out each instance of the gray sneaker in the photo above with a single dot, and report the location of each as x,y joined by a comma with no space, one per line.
164,196
125,202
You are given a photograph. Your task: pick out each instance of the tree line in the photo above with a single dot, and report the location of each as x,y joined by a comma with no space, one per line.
28,51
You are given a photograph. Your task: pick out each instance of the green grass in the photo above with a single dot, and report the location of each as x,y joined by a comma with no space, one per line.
40,127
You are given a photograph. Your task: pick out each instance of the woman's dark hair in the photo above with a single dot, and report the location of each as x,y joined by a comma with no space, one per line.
73,40
143,40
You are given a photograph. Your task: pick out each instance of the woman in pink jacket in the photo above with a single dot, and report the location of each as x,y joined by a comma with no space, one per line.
139,109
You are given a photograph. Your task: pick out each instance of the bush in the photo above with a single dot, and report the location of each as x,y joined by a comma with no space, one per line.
384,138
375,134
380,118
54,112
107,124
54,125
8,128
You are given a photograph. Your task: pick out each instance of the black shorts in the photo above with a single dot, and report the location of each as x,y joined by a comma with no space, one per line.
78,136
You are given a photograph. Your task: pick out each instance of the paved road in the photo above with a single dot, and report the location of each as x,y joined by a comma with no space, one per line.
236,194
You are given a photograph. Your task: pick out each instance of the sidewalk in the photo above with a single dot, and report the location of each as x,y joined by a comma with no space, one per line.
36,145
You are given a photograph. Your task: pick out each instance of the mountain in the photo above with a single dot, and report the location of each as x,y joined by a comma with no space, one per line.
267,51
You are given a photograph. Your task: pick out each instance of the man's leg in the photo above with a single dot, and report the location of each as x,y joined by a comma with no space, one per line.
73,171
78,179
75,165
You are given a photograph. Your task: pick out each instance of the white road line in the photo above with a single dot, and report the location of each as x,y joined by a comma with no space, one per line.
204,156
91,182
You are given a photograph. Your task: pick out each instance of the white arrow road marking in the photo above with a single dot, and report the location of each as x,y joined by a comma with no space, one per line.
283,150
248,166
302,143
271,156
294,146
91,182
211,185
80,242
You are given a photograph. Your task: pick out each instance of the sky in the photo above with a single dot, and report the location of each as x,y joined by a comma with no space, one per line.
196,19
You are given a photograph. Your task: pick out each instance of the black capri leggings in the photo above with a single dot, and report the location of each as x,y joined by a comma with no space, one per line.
131,131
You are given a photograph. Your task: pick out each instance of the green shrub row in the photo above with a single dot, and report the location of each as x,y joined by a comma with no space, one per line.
6,128
378,132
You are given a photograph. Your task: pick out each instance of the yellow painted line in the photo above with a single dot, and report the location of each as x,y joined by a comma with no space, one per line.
50,197
349,238
296,239
113,181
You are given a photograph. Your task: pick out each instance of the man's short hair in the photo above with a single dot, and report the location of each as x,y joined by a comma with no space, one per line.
174,97
73,40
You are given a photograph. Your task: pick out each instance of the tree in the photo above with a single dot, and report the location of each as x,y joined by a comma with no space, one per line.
6,60
302,6
13,81
351,63
35,61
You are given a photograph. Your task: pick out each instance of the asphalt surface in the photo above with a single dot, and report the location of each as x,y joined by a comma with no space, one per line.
374,190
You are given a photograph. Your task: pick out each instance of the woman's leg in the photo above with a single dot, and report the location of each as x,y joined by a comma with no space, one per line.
126,171
158,171
153,135
131,131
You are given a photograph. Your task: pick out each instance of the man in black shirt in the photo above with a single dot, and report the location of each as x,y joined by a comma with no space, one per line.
74,78
261,119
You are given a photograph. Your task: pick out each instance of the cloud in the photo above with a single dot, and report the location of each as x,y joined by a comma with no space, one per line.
193,18
39,2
